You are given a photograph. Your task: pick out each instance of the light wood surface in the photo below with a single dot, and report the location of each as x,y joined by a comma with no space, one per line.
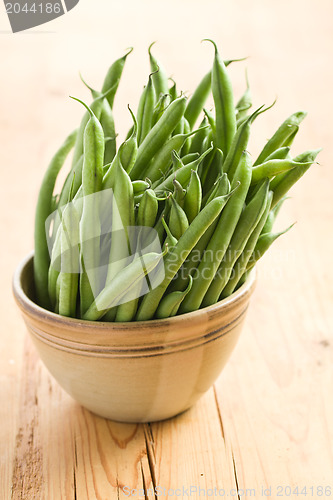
268,422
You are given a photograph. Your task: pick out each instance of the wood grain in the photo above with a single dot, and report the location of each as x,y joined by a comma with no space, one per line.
269,420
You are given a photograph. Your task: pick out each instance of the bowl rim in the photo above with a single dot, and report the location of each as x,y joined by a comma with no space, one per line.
28,304
135,335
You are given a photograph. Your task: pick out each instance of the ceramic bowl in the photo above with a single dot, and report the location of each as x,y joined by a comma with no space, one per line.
139,371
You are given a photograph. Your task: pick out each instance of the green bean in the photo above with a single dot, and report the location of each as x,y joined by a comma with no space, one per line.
179,193
177,163
159,227
148,208
96,107
224,104
53,271
160,79
267,228
212,171
158,135
139,187
198,139
212,123
109,176
162,160
68,279
245,102
240,142
160,107
247,222
197,101
169,305
123,283
43,210
177,220
271,168
113,76
129,150
173,90
281,184
188,158
182,175
177,255
73,181
187,144
180,127
221,183
279,154
222,188
220,240
278,140
170,241
92,176
146,217
122,219
107,122
240,266
187,129
145,110
193,198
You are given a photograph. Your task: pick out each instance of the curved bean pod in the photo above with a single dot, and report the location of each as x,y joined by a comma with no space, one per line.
169,305
279,154
193,198
197,101
271,168
224,104
177,220
160,79
146,110
283,133
123,283
113,76
129,149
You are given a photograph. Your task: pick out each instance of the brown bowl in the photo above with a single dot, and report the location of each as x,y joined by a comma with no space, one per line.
139,371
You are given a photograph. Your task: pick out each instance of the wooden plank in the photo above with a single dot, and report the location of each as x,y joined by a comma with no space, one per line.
190,452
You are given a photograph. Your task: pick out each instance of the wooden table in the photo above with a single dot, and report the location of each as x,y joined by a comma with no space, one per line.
268,421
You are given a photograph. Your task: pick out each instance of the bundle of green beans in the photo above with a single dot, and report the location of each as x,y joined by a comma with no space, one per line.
212,208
